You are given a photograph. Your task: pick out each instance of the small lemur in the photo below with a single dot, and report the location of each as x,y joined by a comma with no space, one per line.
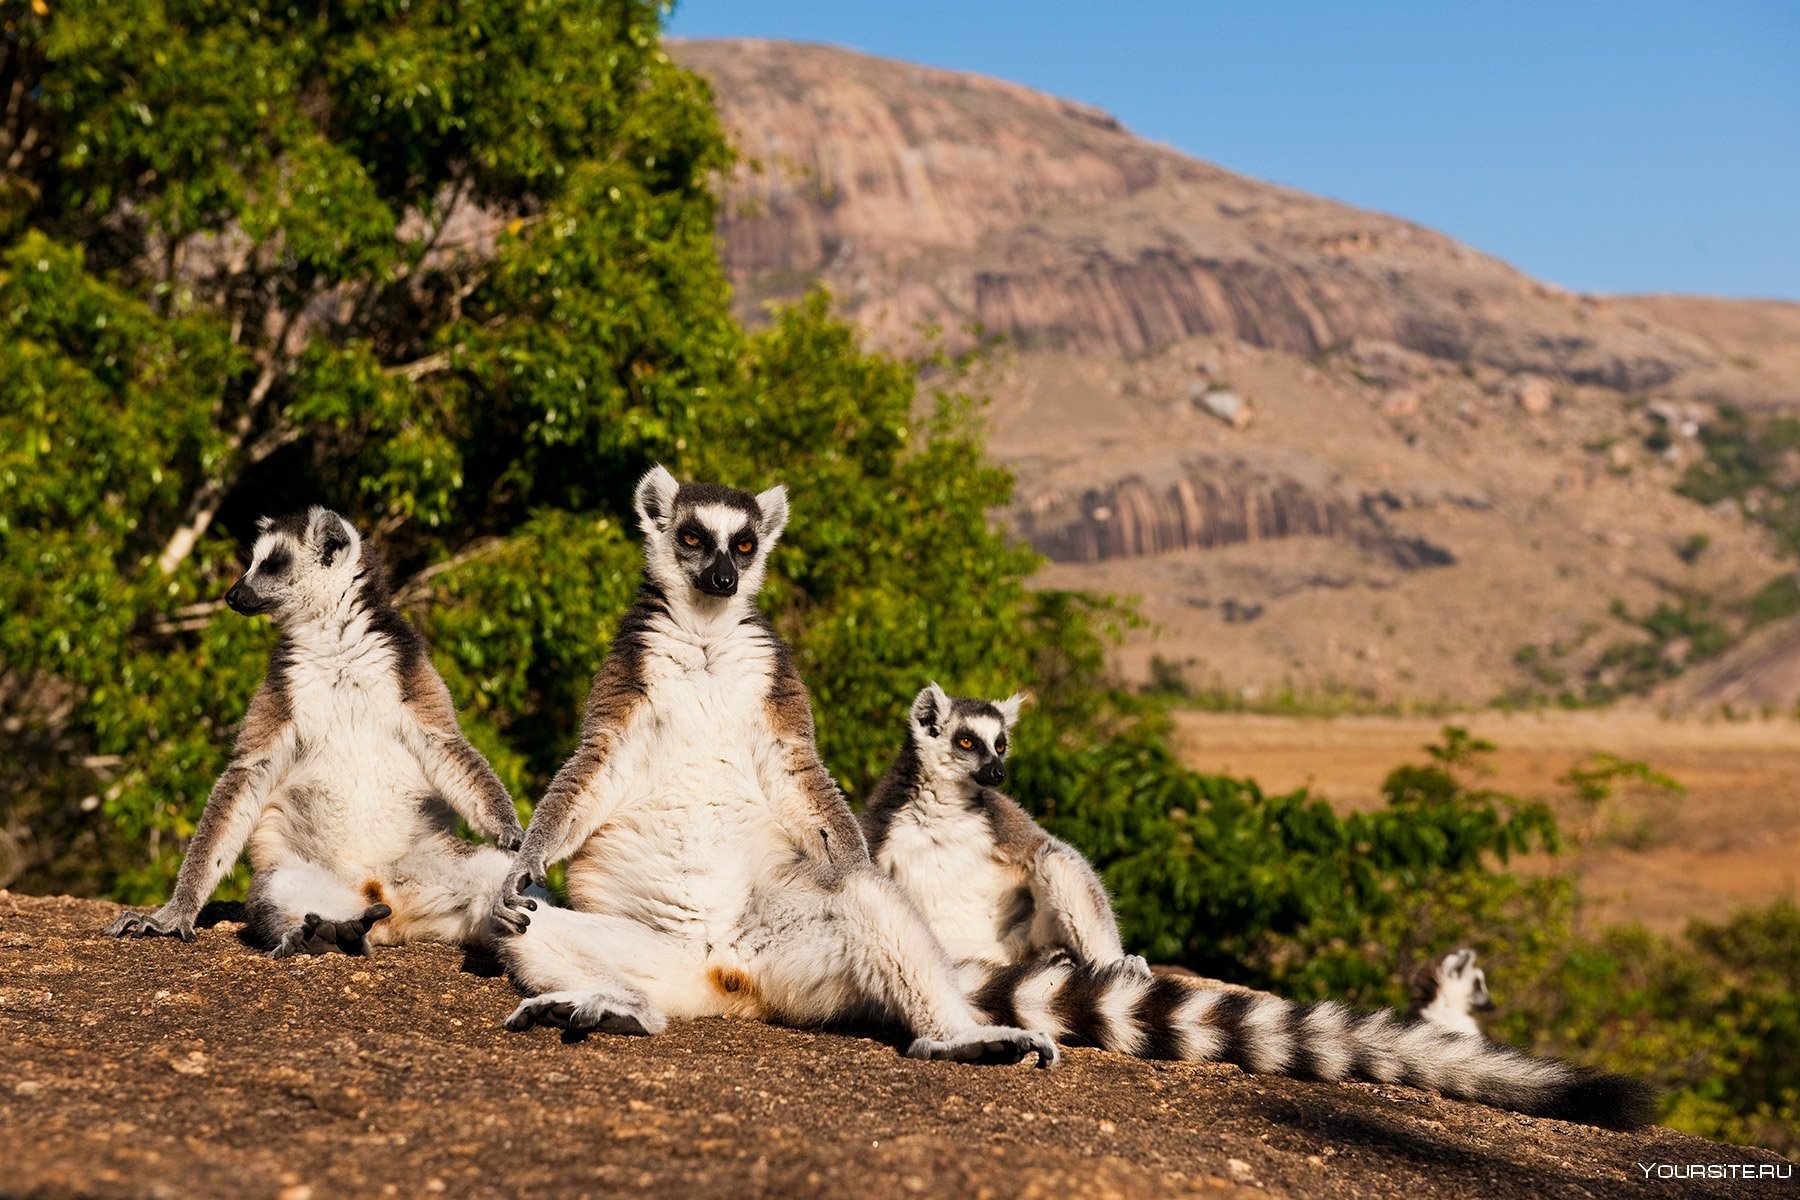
715,869
349,771
994,886
1450,990
1037,946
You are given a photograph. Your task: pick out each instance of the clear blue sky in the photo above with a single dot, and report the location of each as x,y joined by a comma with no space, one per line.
1607,147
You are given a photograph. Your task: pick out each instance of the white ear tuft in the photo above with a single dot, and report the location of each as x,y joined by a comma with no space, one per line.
774,507
263,523
655,498
931,708
1009,708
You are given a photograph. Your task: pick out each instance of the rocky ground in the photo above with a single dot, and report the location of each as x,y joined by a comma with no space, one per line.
160,1069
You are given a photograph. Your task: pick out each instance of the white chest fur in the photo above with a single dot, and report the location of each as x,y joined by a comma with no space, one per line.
941,853
689,824
354,793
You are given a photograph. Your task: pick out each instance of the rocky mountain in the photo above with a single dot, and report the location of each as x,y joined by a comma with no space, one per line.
1328,450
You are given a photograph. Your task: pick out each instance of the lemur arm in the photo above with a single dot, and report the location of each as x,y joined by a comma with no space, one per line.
1066,889
808,801
455,768
570,810
264,752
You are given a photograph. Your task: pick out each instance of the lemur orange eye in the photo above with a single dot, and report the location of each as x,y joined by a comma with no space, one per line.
691,539
746,546
965,743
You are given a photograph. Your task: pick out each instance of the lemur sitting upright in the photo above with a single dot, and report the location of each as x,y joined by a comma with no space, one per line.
1449,990
993,884
349,772
1037,946
714,867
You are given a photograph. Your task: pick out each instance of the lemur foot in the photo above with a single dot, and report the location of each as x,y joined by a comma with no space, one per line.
136,924
988,1045
581,1013
1134,966
316,935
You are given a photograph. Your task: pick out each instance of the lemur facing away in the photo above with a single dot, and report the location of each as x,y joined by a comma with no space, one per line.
1037,946
714,867
349,772
1450,990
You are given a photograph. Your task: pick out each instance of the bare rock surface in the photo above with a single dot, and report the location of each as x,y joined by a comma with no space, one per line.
1453,474
162,1069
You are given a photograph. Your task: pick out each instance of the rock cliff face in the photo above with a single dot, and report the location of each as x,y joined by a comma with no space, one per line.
1222,397
935,197
1131,518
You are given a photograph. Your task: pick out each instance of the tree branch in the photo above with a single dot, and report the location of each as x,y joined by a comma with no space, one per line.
416,588
203,506
419,368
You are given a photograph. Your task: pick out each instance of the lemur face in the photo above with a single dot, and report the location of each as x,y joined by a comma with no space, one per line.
964,739
1463,983
707,541
300,563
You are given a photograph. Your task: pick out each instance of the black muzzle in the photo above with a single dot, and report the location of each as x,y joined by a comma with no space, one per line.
245,600
992,773
719,579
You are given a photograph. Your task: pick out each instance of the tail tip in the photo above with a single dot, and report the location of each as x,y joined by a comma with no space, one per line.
1609,1101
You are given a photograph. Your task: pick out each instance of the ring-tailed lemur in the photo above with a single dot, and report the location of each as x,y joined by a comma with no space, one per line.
349,771
714,866
993,885
1037,946
1449,991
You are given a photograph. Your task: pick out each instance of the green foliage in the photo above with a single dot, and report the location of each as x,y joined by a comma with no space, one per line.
1750,462
1714,1016
1776,600
1280,890
447,266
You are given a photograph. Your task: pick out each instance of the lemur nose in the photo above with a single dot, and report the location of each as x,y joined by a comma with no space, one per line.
991,773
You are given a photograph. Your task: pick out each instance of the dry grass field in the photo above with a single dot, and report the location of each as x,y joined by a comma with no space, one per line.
1731,839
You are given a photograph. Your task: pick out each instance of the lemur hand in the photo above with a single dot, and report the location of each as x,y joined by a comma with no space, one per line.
164,922
510,838
512,907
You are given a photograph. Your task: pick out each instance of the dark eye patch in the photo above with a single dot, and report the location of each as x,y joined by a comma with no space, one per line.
279,560
692,536
966,740
744,544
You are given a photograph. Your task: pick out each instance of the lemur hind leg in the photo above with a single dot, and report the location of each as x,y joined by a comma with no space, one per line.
300,908
443,891
818,943
568,963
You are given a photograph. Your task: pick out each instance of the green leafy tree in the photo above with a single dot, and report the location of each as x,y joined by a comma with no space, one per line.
1283,892
447,266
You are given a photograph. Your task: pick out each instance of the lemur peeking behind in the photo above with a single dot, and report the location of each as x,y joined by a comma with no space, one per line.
714,866
349,771
1037,946
1449,990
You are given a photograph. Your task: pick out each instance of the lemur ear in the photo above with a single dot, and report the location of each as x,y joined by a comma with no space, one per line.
263,524
331,534
1009,708
655,498
773,504
931,708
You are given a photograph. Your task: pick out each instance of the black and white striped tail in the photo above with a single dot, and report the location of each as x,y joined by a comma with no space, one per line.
1174,1018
